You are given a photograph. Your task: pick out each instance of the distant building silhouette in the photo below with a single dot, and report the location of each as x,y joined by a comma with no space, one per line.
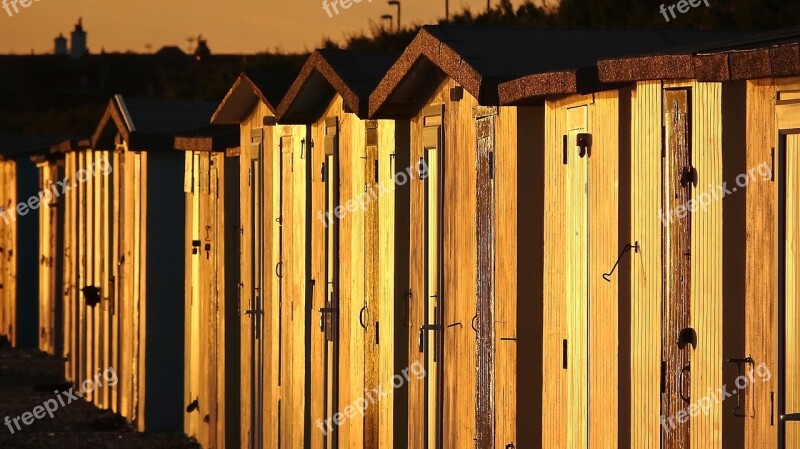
78,41
61,45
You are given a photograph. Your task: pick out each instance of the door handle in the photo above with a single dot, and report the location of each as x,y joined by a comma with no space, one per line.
790,417
361,318
686,370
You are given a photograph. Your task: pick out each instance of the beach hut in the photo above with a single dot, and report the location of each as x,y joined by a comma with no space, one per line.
19,245
359,236
475,266
592,365
211,242
131,229
692,328
274,255
756,79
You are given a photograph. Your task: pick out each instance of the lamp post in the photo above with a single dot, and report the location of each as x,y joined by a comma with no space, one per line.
389,18
396,3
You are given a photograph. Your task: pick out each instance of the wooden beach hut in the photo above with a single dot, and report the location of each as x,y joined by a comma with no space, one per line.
274,254
130,259
211,245
19,244
682,301
475,266
593,320
51,249
358,232
747,90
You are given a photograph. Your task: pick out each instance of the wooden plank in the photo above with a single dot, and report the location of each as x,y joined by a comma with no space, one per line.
761,307
554,328
791,375
645,335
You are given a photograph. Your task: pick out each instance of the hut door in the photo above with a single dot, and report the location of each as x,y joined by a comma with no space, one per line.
576,346
676,334
285,251
431,333
256,309
211,252
195,346
370,311
789,303
330,313
484,313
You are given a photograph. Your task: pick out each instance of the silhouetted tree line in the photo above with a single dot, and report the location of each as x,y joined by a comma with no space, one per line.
622,14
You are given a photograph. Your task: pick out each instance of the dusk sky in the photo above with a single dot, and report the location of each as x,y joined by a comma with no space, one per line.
231,26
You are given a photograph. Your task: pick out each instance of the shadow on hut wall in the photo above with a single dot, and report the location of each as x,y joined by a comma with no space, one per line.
624,270
27,247
734,162
530,241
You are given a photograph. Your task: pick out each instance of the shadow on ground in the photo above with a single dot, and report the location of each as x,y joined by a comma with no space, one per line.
28,378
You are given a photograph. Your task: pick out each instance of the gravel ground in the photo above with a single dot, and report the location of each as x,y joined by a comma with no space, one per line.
28,378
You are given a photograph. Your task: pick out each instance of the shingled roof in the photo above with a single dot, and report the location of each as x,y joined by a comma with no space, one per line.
527,62
753,55
149,124
351,74
248,90
208,138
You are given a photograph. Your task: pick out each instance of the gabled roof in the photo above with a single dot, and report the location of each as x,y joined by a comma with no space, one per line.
510,65
351,74
149,124
247,91
746,56
208,138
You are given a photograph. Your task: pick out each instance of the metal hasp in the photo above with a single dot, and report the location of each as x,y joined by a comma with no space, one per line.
323,311
584,142
423,329
739,368
790,417
628,247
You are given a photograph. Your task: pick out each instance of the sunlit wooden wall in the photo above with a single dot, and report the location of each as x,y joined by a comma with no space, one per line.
8,257
50,256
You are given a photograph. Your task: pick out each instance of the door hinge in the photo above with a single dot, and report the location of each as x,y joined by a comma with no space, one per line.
376,170
565,144
564,354
663,141
663,376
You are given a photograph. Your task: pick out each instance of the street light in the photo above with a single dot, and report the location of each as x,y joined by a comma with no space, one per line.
396,3
388,17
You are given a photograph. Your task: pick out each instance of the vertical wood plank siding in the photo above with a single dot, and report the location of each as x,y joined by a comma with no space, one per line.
645,334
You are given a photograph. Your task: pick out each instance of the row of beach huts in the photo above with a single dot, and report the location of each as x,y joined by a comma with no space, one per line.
500,238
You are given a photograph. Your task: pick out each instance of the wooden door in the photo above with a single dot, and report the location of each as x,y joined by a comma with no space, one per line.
483,322
431,334
256,302
371,311
677,337
329,315
285,277
576,345
214,256
789,303
195,347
